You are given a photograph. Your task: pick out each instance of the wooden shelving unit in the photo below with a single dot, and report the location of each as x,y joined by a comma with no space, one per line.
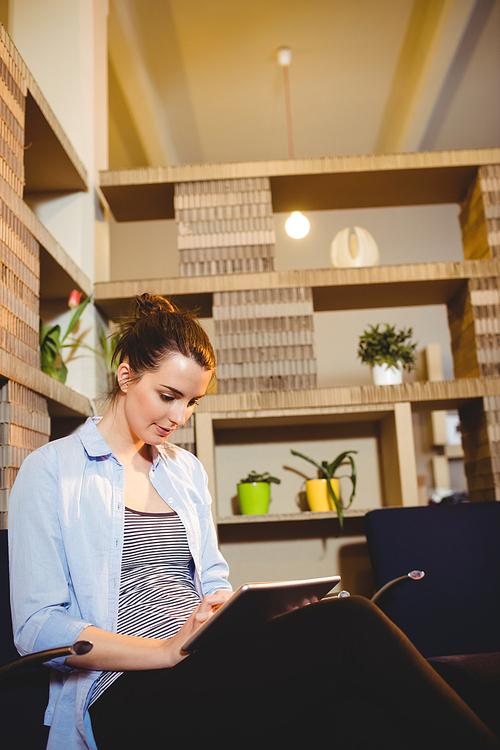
391,407
323,184
308,184
332,289
51,165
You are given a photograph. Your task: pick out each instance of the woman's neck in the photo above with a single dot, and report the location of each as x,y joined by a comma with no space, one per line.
116,432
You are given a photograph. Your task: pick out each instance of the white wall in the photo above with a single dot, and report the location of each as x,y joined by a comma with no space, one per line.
63,42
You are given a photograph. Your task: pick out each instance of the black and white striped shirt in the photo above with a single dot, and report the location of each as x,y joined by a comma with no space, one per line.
157,593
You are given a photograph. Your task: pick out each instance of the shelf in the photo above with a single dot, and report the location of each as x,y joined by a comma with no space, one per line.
59,274
280,517
308,184
62,401
332,288
347,402
50,161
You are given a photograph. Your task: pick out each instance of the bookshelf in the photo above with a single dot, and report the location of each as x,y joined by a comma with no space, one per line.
468,288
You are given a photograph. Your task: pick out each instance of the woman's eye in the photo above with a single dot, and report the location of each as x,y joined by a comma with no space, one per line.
164,397
194,402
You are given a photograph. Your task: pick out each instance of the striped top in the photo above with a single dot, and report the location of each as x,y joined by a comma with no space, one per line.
157,593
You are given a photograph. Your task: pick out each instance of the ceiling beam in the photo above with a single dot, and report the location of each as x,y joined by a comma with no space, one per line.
435,31
144,103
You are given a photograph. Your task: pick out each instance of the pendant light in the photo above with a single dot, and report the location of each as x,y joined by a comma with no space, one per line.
296,226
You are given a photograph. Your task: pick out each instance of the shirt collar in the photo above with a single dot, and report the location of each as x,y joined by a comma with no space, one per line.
92,440
95,445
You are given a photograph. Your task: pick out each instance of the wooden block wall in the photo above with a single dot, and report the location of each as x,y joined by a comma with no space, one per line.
13,92
474,319
225,226
264,340
24,419
24,426
480,215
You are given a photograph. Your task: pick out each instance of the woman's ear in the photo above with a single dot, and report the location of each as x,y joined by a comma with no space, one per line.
123,376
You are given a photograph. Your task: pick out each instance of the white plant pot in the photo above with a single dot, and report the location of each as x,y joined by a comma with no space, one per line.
385,375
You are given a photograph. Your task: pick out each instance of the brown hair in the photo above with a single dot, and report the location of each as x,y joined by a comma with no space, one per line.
156,329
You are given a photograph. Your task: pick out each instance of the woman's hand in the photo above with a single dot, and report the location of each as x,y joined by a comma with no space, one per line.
121,653
203,612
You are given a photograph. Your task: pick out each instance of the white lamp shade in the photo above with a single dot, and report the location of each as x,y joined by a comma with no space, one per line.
297,226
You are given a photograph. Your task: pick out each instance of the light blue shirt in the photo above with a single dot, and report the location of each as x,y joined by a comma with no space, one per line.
66,514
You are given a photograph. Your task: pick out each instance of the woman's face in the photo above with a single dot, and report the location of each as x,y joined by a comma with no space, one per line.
162,400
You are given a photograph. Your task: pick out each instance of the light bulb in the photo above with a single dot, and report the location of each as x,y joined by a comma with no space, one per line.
297,226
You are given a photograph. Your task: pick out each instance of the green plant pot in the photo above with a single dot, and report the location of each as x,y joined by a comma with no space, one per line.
254,497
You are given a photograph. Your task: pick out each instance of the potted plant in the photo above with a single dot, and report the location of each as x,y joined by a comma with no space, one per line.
254,493
51,343
323,493
388,352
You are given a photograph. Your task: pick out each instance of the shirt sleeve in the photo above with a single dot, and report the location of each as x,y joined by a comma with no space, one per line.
40,584
215,570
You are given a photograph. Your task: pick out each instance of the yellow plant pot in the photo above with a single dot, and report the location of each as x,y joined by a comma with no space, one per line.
318,497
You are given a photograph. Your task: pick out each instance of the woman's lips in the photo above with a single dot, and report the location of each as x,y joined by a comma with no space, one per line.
162,431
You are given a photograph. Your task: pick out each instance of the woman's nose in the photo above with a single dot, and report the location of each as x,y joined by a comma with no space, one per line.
178,414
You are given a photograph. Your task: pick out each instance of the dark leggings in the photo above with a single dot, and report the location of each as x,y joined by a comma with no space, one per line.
338,667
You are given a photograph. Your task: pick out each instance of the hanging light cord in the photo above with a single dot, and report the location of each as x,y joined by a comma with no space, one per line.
288,111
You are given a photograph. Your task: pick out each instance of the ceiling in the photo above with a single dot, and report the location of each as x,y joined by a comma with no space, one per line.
197,81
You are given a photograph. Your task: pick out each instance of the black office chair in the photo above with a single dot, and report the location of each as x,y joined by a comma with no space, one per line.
24,683
453,615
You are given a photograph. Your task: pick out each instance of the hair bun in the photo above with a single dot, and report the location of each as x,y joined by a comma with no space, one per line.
149,304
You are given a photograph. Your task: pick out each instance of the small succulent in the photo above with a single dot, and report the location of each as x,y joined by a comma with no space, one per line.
254,477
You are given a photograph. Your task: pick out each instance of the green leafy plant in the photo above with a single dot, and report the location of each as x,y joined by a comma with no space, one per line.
388,345
328,471
51,343
254,477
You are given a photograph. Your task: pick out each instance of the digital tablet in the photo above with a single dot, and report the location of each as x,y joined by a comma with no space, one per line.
254,604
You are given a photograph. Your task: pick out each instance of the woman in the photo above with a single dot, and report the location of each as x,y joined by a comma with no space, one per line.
111,540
